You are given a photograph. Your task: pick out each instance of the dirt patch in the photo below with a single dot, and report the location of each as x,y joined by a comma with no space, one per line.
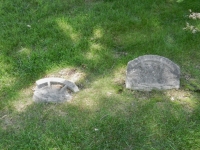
177,94
70,74
25,99
120,76
7,121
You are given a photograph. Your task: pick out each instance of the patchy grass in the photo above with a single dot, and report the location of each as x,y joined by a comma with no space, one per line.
90,43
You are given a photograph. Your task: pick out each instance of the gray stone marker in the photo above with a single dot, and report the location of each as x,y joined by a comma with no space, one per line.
150,72
53,90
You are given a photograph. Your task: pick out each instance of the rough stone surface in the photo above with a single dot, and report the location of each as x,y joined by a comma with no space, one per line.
53,90
150,72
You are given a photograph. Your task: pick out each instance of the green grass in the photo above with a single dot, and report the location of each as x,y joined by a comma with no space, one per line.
97,38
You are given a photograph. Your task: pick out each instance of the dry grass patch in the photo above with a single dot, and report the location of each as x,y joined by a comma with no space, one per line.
71,74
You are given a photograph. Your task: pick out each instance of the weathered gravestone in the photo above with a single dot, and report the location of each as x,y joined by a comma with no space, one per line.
150,72
53,90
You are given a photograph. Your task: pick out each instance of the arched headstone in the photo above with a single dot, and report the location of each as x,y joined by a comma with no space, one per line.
152,72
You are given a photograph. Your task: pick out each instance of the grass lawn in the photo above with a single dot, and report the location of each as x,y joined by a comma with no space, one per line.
91,42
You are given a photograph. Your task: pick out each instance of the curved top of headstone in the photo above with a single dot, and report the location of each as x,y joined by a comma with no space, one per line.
155,58
152,72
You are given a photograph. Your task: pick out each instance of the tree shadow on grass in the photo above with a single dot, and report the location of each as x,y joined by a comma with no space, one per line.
33,50
41,36
117,121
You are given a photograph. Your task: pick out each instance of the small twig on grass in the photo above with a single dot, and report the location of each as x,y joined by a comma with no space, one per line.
3,117
104,117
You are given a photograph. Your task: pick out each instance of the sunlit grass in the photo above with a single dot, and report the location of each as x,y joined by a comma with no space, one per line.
69,31
90,42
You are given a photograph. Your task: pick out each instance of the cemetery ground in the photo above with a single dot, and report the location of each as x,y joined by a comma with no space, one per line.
91,42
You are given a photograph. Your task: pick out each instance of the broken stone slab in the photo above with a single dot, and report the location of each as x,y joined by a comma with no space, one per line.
53,90
49,81
150,72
